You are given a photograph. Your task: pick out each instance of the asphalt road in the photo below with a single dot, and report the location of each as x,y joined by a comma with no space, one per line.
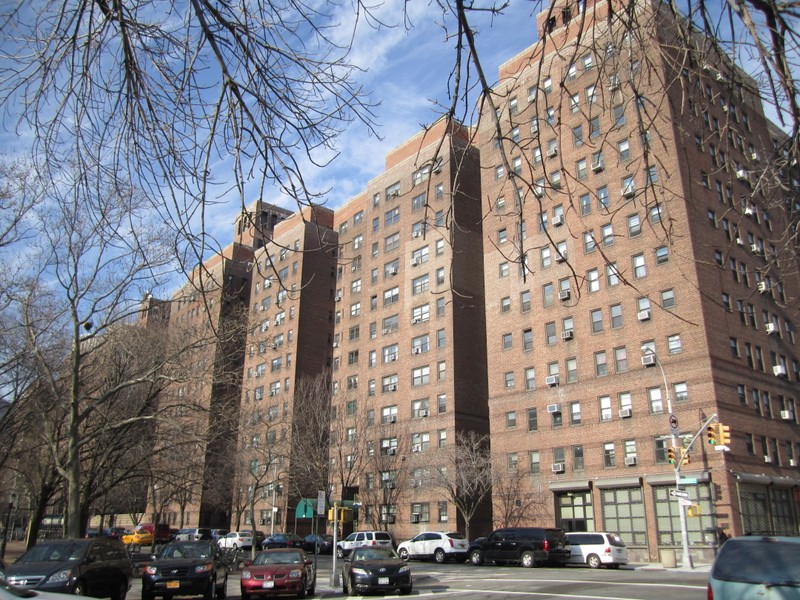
503,583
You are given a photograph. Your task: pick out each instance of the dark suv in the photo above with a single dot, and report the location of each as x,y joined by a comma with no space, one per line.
97,567
186,569
528,546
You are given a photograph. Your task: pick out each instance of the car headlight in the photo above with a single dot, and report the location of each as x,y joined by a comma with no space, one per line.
357,571
60,576
405,569
205,568
246,574
150,570
295,574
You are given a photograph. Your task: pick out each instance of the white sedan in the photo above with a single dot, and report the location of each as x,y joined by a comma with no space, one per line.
436,545
236,539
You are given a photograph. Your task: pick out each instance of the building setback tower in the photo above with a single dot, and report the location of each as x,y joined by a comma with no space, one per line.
634,262
409,364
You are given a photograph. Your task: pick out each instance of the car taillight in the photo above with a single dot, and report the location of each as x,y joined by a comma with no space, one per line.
452,545
607,550
710,595
546,545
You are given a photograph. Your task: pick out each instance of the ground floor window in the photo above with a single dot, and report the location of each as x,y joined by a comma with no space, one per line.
698,524
623,513
575,511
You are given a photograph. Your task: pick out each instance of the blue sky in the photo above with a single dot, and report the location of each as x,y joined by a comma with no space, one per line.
407,72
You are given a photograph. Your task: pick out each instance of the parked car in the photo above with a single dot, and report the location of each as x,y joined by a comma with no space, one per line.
162,531
528,546
192,534
373,569
765,567
190,568
596,549
8,592
137,537
363,538
236,539
282,540
436,545
97,567
217,534
279,571
114,532
258,536
319,544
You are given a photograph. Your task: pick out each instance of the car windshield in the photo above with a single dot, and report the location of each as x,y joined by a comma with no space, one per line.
187,551
54,553
374,554
770,562
278,558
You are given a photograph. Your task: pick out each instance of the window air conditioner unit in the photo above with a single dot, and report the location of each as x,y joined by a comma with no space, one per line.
386,331
271,393
741,174
389,518
390,485
754,155
597,166
567,334
392,272
416,351
625,413
763,286
551,380
779,371
648,360
437,168
755,249
644,315
422,412
739,241
538,191
416,448
564,295
628,191
792,462
335,344
393,387
415,320
558,467
414,262
268,284
558,220
560,258
415,517
392,357
719,76
771,328
394,194
749,209
391,451
767,458
392,418
551,152
338,297
724,108
416,234
787,415
554,408
354,268
630,461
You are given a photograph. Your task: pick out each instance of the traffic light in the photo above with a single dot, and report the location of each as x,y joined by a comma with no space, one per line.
694,511
724,435
711,434
685,459
671,455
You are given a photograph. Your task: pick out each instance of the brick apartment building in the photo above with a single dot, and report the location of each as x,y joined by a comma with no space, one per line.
614,250
626,227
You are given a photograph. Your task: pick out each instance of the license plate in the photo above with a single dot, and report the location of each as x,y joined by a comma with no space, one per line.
173,585
383,581
269,584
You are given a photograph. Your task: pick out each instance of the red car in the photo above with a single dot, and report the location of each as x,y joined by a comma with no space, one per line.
279,571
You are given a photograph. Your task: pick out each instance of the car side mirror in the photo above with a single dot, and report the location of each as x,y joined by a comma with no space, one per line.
247,563
308,561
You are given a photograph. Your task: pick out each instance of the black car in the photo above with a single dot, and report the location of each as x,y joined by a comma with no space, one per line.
282,540
97,567
190,568
321,544
527,546
373,569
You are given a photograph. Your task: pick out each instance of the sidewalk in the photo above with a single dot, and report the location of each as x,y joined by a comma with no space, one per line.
659,567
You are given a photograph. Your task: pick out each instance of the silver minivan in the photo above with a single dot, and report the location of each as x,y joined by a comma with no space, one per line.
596,549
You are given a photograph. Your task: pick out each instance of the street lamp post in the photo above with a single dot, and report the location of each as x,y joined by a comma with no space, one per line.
687,557
12,498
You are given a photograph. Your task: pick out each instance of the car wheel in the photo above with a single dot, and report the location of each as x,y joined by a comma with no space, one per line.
593,561
476,557
339,552
528,560
122,591
211,591
406,590
302,592
80,589
614,566
312,590
222,590
439,556
403,553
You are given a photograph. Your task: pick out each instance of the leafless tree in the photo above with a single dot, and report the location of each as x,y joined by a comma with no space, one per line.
462,471
516,502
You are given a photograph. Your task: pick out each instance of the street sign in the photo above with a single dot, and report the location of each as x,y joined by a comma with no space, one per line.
684,502
673,424
679,493
688,481
719,448
320,503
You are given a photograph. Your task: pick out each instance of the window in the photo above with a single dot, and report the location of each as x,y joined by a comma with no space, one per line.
616,316
612,275
620,359
547,294
527,340
674,344
420,376
507,341
593,280
508,378
577,136
639,268
634,225
605,408
505,304
390,243
585,202
392,216
597,320
530,379
619,111
571,365
575,413
600,364
525,301
420,313
594,127
655,214
609,456
680,391
581,170
420,284
655,400
391,296
589,244
511,419
624,150
662,255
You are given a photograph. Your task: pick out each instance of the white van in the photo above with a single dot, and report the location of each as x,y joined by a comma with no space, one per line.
597,548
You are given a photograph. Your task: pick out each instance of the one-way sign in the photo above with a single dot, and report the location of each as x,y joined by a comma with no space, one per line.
679,493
